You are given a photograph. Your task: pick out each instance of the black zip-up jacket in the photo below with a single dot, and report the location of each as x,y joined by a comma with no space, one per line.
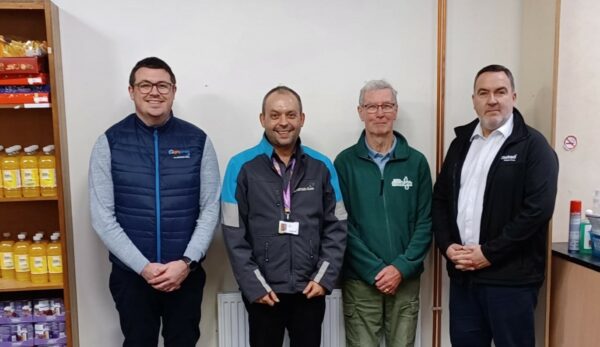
518,203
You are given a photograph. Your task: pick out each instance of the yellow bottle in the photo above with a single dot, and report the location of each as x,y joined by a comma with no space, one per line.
7,263
21,254
11,174
55,268
38,261
1,175
30,173
47,166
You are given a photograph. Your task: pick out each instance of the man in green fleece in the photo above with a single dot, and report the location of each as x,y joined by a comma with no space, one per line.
386,186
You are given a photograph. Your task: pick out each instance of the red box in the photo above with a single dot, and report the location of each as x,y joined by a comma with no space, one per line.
24,79
25,98
22,65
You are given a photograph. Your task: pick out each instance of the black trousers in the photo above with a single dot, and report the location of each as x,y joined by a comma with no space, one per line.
482,313
142,307
301,317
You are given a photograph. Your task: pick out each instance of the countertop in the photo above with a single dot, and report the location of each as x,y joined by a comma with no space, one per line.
560,249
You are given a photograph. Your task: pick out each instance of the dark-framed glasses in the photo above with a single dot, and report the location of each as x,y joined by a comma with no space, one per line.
145,87
387,107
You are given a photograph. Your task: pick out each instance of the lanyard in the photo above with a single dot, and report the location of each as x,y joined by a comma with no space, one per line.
287,180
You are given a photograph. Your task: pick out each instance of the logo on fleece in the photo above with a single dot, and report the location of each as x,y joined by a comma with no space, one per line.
509,157
180,153
406,183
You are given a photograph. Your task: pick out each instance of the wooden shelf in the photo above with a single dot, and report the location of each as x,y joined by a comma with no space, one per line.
22,5
7,285
23,106
39,198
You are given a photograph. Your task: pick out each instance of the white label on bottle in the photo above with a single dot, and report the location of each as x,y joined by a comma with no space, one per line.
7,261
22,263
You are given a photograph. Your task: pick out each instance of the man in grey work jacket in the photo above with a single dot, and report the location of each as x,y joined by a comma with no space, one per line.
154,200
284,225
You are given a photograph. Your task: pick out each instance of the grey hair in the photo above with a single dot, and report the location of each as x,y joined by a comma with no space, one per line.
376,85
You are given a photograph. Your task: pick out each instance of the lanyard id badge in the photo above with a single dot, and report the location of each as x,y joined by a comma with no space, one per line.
288,227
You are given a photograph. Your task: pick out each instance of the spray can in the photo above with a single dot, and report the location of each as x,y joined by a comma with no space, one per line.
574,222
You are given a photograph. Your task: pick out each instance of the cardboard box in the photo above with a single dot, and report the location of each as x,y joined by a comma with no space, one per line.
23,79
16,335
23,65
25,98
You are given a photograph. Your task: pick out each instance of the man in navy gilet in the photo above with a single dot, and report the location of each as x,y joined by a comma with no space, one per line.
154,200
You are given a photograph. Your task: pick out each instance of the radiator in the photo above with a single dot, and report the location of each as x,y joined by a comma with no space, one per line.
233,321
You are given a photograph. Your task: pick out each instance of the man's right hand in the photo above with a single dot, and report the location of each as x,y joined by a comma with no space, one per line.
454,251
153,270
269,299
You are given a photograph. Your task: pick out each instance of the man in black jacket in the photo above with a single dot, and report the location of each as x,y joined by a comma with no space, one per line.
491,206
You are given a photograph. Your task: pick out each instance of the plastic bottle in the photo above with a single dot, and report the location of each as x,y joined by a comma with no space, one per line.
55,268
585,239
596,202
21,253
42,239
47,166
30,173
7,263
38,261
11,174
574,222
1,175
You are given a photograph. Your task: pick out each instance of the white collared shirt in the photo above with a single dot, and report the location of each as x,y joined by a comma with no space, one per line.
473,179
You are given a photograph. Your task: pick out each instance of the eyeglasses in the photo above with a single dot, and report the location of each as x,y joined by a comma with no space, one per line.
145,87
386,108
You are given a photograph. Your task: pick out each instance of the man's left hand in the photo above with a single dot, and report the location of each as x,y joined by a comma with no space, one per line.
388,280
175,273
473,260
313,289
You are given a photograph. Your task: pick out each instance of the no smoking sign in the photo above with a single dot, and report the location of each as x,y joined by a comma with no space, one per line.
570,143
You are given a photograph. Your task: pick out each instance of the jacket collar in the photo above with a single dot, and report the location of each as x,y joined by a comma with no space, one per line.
267,148
400,150
520,130
151,128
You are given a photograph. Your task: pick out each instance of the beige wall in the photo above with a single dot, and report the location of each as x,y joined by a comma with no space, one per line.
519,35
226,55
578,102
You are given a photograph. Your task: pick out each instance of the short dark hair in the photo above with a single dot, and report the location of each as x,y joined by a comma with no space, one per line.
496,68
151,63
281,90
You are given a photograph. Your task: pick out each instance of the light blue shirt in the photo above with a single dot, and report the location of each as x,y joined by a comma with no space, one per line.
380,158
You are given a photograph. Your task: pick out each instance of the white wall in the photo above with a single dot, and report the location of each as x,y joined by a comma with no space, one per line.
516,34
226,55
576,108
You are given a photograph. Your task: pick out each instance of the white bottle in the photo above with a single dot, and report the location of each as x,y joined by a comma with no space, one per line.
596,202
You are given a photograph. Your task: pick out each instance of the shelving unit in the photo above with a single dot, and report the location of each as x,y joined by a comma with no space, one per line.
41,124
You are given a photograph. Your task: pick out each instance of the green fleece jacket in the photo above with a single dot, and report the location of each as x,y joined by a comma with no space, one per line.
389,219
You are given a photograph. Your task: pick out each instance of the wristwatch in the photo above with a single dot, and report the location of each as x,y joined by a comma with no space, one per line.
191,264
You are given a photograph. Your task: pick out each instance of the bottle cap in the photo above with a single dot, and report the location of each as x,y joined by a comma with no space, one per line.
1,148
48,149
13,149
21,236
37,237
575,206
31,149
